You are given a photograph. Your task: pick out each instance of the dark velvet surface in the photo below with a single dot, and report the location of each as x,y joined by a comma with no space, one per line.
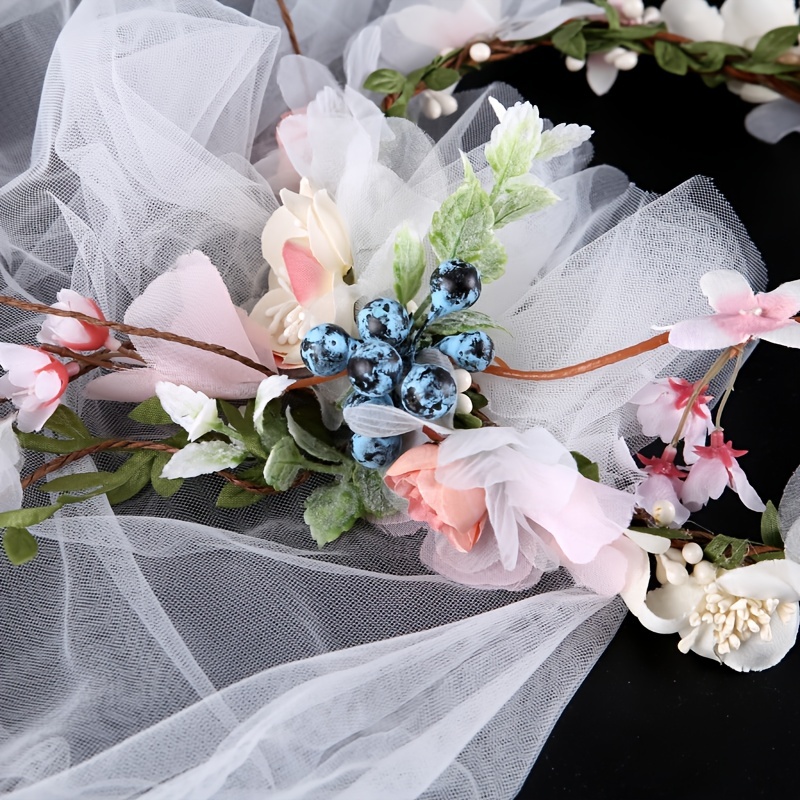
649,721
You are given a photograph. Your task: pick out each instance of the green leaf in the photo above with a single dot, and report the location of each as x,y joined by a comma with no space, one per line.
376,497
164,487
477,399
461,322
24,517
135,475
715,551
20,546
235,497
726,49
770,556
466,422
441,77
283,465
397,109
670,57
520,199
408,265
771,526
492,259
712,81
65,422
331,511
611,13
311,444
385,81
627,35
81,482
666,533
40,443
569,39
776,42
273,424
150,412
514,143
588,468
765,67
462,225
244,425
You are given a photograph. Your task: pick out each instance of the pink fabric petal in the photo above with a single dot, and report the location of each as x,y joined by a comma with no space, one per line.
704,333
747,494
707,479
133,386
781,303
306,275
787,335
33,418
24,360
727,291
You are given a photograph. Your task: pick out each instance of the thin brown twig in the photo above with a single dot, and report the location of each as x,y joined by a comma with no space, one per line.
132,330
287,21
134,445
92,360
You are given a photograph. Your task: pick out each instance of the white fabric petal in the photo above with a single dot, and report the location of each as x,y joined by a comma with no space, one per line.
788,335
775,578
755,655
600,75
719,284
747,494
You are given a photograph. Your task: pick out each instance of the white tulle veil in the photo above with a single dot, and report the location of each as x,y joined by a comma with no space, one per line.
168,649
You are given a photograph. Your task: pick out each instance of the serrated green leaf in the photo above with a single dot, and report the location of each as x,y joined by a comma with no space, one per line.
586,467
441,77
385,81
164,487
715,551
376,497
203,458
520,199
310,444
283,465
771,526
462,225
20,546
461,322
569,39
491,262
408,265
25,517
81,482
776,42
135,474
670,57
244,425
611,13
235,497
331,511
150,412
666,533
65,422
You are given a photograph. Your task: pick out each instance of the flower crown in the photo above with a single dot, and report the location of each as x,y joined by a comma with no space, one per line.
389,398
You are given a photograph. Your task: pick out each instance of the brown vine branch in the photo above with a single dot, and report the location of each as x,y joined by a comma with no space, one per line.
92,360
134,445
132,330
592,364
701,537
287,21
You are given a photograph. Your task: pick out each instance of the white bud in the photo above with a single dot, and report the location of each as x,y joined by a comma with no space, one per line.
574,64
463,404
663,512
692,553
448,104
632,9
463,379
612,55
651,16
430,106
627,61
704,572
411,307
480,52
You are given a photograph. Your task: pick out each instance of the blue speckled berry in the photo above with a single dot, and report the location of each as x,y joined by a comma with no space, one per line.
428,391
384,319
375,453
374,368
325,349
356,399
455,285
472,351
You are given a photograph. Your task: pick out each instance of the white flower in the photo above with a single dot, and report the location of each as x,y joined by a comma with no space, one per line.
10,463
746,618
193,411
270,388
307,245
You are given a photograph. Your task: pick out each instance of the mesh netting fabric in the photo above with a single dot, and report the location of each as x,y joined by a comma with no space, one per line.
169,649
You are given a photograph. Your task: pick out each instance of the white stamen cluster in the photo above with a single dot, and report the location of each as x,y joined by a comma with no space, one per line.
288,324
734,619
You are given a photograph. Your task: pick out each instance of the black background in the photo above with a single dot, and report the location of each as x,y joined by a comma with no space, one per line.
649,721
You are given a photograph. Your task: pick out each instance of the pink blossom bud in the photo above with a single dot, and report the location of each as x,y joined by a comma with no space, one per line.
34,383
73,333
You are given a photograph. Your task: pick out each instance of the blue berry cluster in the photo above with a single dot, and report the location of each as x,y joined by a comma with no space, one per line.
382,365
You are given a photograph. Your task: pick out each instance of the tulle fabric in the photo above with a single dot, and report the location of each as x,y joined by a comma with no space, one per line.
169,649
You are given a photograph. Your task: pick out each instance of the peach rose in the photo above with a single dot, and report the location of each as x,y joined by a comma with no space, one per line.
459,514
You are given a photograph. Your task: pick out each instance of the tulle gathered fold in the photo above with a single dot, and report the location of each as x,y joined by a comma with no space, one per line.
169,649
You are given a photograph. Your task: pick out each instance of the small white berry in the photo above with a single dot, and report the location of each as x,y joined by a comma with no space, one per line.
448,104
612,55
663,512
692,553
574,64
480,52
651,16
627,61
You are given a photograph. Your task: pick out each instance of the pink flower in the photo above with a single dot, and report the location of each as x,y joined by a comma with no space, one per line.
514,505
72,333
717,468
740,315
34,383
661,406
664,482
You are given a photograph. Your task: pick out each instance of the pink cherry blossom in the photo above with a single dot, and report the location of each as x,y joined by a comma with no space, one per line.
664,481
72,333
661,406
34,383
715,469
740,314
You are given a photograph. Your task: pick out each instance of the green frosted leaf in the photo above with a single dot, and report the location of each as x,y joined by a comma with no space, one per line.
376,497
520,199
460,322
331,511
408,265
283,465
514,143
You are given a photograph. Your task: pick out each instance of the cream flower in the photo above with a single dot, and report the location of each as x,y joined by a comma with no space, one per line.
307,245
